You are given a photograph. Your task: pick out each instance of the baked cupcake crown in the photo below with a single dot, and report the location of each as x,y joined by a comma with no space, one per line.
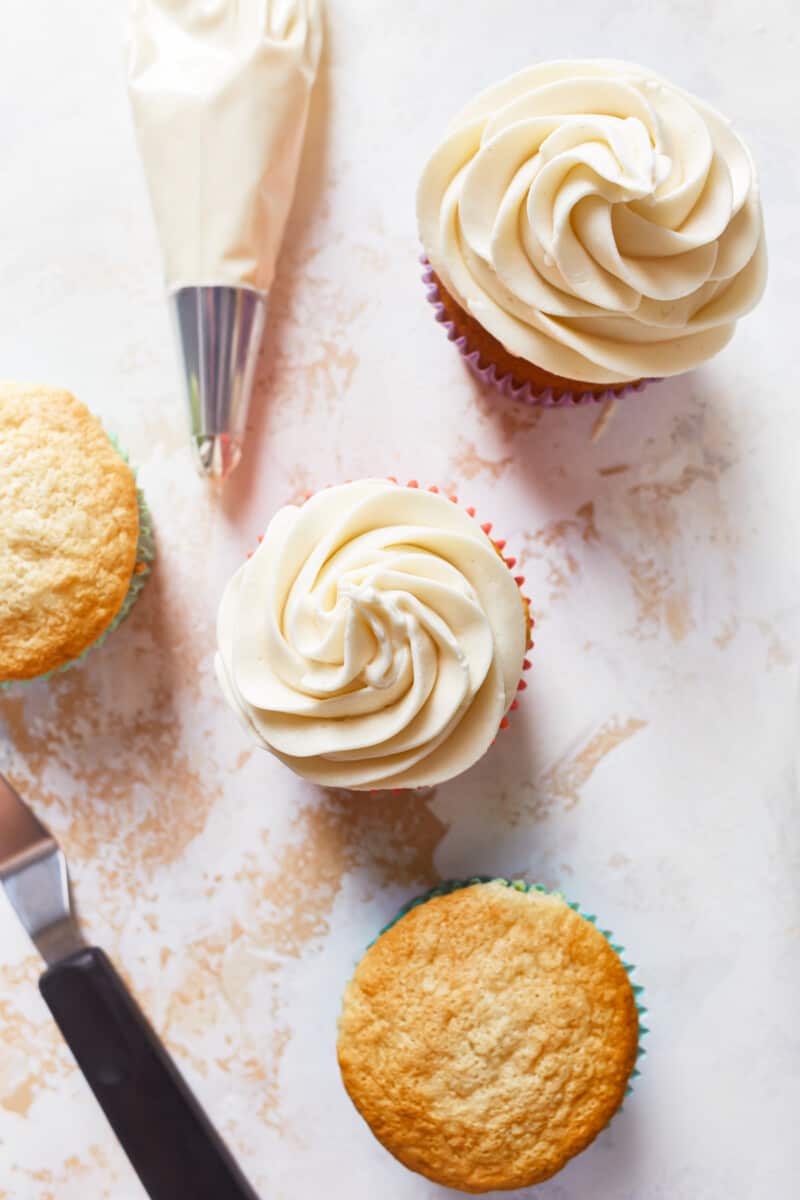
70,538
489,1034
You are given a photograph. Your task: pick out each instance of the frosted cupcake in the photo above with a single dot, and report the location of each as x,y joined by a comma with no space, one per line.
489,1034
75,541
589,226
375,638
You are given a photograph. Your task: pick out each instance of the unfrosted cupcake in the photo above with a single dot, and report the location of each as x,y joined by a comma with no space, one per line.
375,639
75,542
589,226
489,1034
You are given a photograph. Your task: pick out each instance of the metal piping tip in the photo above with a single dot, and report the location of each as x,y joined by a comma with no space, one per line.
217,456
219,334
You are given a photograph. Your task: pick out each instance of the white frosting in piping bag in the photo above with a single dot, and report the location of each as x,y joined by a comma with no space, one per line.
220,94
375,638
596,220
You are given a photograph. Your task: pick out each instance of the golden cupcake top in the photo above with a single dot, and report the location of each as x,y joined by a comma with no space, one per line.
488,1036
69,526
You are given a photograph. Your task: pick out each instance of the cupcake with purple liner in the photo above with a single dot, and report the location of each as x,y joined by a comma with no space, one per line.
587,227
376,638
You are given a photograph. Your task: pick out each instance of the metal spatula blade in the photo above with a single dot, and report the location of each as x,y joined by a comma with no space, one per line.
172,1145
33,872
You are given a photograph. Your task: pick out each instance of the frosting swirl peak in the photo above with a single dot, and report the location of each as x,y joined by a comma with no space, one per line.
375,638
598,221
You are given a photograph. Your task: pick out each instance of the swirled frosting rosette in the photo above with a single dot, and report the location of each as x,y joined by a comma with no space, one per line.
374,639
599,224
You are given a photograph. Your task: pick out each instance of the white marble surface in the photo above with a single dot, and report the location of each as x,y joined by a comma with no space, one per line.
651,768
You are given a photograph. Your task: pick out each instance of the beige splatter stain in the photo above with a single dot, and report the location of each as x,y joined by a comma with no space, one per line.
309,352
19,1099
468,463
372,257
727,633
616,469
651,503
299,484
512,419
515,420
651,583
563,781
779,654
391,836
677,616
149,805
586,522
558,546
659,603
72,1168
618,861
583,525
34,1057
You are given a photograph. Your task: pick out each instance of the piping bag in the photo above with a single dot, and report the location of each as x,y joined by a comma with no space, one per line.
220,92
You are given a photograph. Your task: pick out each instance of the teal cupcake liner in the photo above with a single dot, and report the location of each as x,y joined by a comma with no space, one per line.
145,557
520,885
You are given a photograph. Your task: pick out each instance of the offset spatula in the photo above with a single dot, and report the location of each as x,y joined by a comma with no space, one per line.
169,1140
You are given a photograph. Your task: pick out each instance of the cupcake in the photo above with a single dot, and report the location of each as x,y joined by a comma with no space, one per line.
375,638
489,1034
588,226
75,543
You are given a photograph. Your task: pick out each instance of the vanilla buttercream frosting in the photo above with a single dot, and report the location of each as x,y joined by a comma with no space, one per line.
597,220
374,639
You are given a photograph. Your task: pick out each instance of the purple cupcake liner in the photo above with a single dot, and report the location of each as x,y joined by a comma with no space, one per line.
524,393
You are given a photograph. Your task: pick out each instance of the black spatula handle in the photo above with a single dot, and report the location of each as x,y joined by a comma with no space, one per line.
172,1145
